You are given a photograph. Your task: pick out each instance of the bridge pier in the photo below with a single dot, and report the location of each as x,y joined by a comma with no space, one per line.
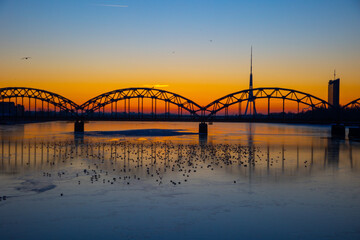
79,126
338,130
203,128
354,132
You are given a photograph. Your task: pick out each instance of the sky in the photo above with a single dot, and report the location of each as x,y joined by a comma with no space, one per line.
198,49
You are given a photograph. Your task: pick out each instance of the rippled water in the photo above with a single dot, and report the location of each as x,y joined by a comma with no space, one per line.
143,180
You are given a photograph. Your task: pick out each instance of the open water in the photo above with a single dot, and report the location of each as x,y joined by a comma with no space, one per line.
146,180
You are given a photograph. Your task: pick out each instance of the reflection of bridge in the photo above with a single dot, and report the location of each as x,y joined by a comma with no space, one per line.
144,158
37,104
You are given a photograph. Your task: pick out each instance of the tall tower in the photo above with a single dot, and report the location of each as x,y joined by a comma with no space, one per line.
334,91
251,103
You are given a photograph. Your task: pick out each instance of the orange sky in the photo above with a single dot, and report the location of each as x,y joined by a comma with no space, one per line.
201,84
201,51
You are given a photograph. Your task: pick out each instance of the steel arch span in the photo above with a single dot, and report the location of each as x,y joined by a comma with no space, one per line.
353,104
52,98
266,93
104,99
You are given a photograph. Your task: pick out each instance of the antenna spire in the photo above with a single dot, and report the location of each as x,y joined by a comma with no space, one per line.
251,61
334,74
251,96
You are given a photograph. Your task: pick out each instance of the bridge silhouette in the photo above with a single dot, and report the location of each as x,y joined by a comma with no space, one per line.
45,105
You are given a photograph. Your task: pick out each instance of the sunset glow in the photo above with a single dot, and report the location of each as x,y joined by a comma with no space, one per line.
200,50
180,119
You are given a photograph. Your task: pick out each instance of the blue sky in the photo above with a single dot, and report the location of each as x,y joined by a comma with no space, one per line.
211,40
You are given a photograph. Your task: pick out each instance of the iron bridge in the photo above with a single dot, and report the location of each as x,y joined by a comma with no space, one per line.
39,100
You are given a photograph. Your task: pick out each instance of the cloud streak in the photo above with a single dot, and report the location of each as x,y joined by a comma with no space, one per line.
156,86
111,5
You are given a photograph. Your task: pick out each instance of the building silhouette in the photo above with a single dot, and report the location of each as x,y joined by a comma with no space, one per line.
10,109
334,92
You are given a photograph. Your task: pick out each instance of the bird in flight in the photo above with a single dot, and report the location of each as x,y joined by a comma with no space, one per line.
25,58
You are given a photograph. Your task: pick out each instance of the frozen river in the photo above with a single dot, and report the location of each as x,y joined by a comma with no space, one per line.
144,180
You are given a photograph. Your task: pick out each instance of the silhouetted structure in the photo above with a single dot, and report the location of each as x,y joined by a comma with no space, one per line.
251,102
41,105
79,126
334,92
10,109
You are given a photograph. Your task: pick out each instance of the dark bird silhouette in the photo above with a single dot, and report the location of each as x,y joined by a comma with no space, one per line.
25,58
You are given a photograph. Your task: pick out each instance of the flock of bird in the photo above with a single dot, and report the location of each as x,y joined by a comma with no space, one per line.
126,162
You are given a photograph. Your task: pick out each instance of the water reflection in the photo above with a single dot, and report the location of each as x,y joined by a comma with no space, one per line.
175,160
333,152
240,176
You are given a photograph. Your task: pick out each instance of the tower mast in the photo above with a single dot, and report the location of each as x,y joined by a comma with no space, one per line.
251,96
251,79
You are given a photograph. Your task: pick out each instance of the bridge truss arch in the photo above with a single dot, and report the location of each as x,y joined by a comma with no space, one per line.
99,102
355,104
265,93
56,100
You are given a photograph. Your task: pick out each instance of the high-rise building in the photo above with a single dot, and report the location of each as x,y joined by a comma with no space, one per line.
334,92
